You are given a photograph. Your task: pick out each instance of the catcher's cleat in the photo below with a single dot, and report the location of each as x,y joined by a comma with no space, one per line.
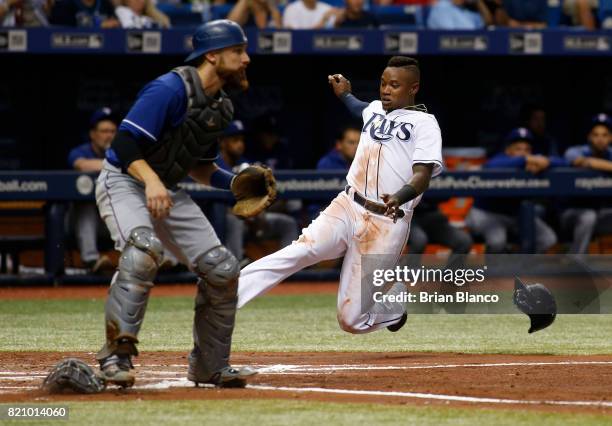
227,377
395,327
116,370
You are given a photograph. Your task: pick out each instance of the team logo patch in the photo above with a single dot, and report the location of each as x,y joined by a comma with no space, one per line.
381,129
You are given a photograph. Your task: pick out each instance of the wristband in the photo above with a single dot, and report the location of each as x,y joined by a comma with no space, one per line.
405,194
222,179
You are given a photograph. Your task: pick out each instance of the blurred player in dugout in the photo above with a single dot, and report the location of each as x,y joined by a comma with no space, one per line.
495,218
265,226
84,217
583,216
339,157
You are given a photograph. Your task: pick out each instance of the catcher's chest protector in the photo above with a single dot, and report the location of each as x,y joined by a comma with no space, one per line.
180,149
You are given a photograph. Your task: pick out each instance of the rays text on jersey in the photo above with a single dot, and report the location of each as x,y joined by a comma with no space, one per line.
382,129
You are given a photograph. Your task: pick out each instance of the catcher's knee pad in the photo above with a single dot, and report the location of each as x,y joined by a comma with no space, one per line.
215,310
129,292
218,266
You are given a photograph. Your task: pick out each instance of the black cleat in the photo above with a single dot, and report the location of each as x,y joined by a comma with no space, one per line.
227,377
395,327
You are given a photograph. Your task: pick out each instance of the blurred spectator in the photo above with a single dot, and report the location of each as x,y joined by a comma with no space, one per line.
585,214
499,15
404,2
25,13
87,158
141,14
534,118
353,15
84,13
259,13
528,14
308,14
341,157
581,12
269,148
265,226
459,15
494,218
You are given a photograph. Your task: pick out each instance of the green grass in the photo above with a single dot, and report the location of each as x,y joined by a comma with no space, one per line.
296,323
296,413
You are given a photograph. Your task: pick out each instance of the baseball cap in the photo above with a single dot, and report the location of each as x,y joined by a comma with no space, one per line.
519,134
104,113
601,119
234,128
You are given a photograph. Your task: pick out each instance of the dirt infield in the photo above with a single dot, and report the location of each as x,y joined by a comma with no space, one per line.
537,382
568,383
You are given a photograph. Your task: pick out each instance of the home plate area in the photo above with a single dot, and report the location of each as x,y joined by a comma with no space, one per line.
568,383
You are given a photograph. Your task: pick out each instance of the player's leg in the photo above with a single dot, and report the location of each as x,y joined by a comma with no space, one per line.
282,226
357,310
215,306
440,231
122,205
581,224
545,236
491,226
418,239
86,224
325,238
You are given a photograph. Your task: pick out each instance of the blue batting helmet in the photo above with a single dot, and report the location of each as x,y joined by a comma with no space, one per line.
216,35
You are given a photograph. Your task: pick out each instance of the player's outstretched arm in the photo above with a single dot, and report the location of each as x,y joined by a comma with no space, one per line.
342,89
417,185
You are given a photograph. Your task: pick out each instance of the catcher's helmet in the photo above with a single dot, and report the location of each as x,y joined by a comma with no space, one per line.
216,35
537,302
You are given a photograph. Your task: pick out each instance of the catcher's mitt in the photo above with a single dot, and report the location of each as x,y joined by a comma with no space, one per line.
73,375
254,189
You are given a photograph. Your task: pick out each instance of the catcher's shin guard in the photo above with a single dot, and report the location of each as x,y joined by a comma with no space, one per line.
215,313
129,293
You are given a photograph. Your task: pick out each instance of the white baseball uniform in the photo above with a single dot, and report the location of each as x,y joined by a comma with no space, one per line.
390,144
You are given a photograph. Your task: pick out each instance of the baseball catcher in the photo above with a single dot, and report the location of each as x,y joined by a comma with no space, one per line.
171,132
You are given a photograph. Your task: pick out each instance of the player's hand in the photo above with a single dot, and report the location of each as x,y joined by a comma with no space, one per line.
339,84
536,163
159,201
392,204
582,162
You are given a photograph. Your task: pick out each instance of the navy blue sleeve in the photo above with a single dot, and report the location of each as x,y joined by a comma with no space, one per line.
505,161
161,103
74,155
354,105
323,163
558,161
